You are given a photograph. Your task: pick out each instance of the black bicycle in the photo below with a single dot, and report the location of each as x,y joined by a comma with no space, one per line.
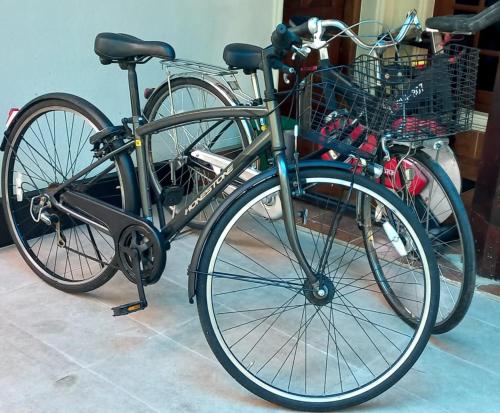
284,291
418,163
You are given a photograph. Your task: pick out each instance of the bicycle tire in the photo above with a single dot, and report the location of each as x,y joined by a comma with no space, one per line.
54,108
213,242
453,304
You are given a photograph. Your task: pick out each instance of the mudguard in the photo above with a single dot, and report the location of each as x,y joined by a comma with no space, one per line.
264,176
61,96
124,160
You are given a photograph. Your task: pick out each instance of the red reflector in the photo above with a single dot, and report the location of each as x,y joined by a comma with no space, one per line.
308,69
148,91
11,115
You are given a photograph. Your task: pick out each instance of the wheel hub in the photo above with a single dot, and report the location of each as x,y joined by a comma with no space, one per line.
322,295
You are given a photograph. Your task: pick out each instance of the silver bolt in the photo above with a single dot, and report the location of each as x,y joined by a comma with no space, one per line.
321,292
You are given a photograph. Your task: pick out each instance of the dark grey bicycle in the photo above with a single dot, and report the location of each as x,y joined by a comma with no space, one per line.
285,294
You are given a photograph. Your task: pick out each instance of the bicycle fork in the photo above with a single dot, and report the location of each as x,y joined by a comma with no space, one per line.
280,160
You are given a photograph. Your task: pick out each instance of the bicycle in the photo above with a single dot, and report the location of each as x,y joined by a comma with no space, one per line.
292,342
411,165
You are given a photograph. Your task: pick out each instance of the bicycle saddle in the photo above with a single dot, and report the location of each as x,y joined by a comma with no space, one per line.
243,56
116,47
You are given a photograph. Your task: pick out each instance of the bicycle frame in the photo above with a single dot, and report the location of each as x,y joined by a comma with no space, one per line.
273,137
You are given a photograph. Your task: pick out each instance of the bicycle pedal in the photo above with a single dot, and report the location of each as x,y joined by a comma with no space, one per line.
172,195
129,308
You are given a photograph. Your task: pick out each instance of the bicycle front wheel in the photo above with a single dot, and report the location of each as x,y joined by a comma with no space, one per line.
430,193
268,327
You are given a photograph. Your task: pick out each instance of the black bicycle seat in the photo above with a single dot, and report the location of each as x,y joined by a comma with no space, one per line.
243,56
116,47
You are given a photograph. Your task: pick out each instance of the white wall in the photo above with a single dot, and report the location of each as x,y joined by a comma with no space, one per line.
47,45
391,13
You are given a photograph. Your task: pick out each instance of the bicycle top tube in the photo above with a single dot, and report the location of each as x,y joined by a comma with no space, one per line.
201,115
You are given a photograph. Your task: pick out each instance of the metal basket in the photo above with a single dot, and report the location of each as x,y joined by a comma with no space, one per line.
430,97
339,106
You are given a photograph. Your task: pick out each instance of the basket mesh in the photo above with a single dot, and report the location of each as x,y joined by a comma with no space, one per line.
342,104
412,97
433,96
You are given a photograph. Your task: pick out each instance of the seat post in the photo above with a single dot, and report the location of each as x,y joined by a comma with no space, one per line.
134,90
142,174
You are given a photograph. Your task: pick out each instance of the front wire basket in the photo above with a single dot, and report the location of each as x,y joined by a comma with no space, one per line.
431,97
341,106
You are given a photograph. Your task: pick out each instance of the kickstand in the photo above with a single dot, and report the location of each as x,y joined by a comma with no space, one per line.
125,309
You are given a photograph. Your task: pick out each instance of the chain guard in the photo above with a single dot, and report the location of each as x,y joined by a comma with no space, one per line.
128,231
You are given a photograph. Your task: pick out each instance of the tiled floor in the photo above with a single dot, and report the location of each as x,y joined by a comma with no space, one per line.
66,353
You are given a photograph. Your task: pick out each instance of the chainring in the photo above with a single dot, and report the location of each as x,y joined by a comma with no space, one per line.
152,255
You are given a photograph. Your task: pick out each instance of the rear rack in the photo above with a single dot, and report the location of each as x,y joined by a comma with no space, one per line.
197,67
223,75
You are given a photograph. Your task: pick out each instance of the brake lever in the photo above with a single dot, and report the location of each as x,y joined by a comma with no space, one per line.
301,51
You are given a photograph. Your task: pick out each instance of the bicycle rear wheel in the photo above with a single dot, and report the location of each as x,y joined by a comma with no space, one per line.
262,318
48,144
169,164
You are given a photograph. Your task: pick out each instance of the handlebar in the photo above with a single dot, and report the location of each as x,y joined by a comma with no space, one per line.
302,30
283,41
317,28
466,24
411,20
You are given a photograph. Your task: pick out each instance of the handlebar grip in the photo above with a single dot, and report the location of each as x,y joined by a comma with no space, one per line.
283,39
466,24
302,30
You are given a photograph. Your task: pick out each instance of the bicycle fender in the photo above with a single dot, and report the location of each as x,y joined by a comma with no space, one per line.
125,161
262,177
60,96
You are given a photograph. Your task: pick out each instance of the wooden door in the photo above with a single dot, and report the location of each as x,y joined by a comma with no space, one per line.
486,41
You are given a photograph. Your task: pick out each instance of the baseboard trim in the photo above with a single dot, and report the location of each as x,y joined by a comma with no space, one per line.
5,238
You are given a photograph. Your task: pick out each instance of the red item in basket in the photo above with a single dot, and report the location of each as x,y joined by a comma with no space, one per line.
413,124
392,180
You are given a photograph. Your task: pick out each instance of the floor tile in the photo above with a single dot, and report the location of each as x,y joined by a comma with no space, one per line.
28,365
79,392
452,384
176,379
73,324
